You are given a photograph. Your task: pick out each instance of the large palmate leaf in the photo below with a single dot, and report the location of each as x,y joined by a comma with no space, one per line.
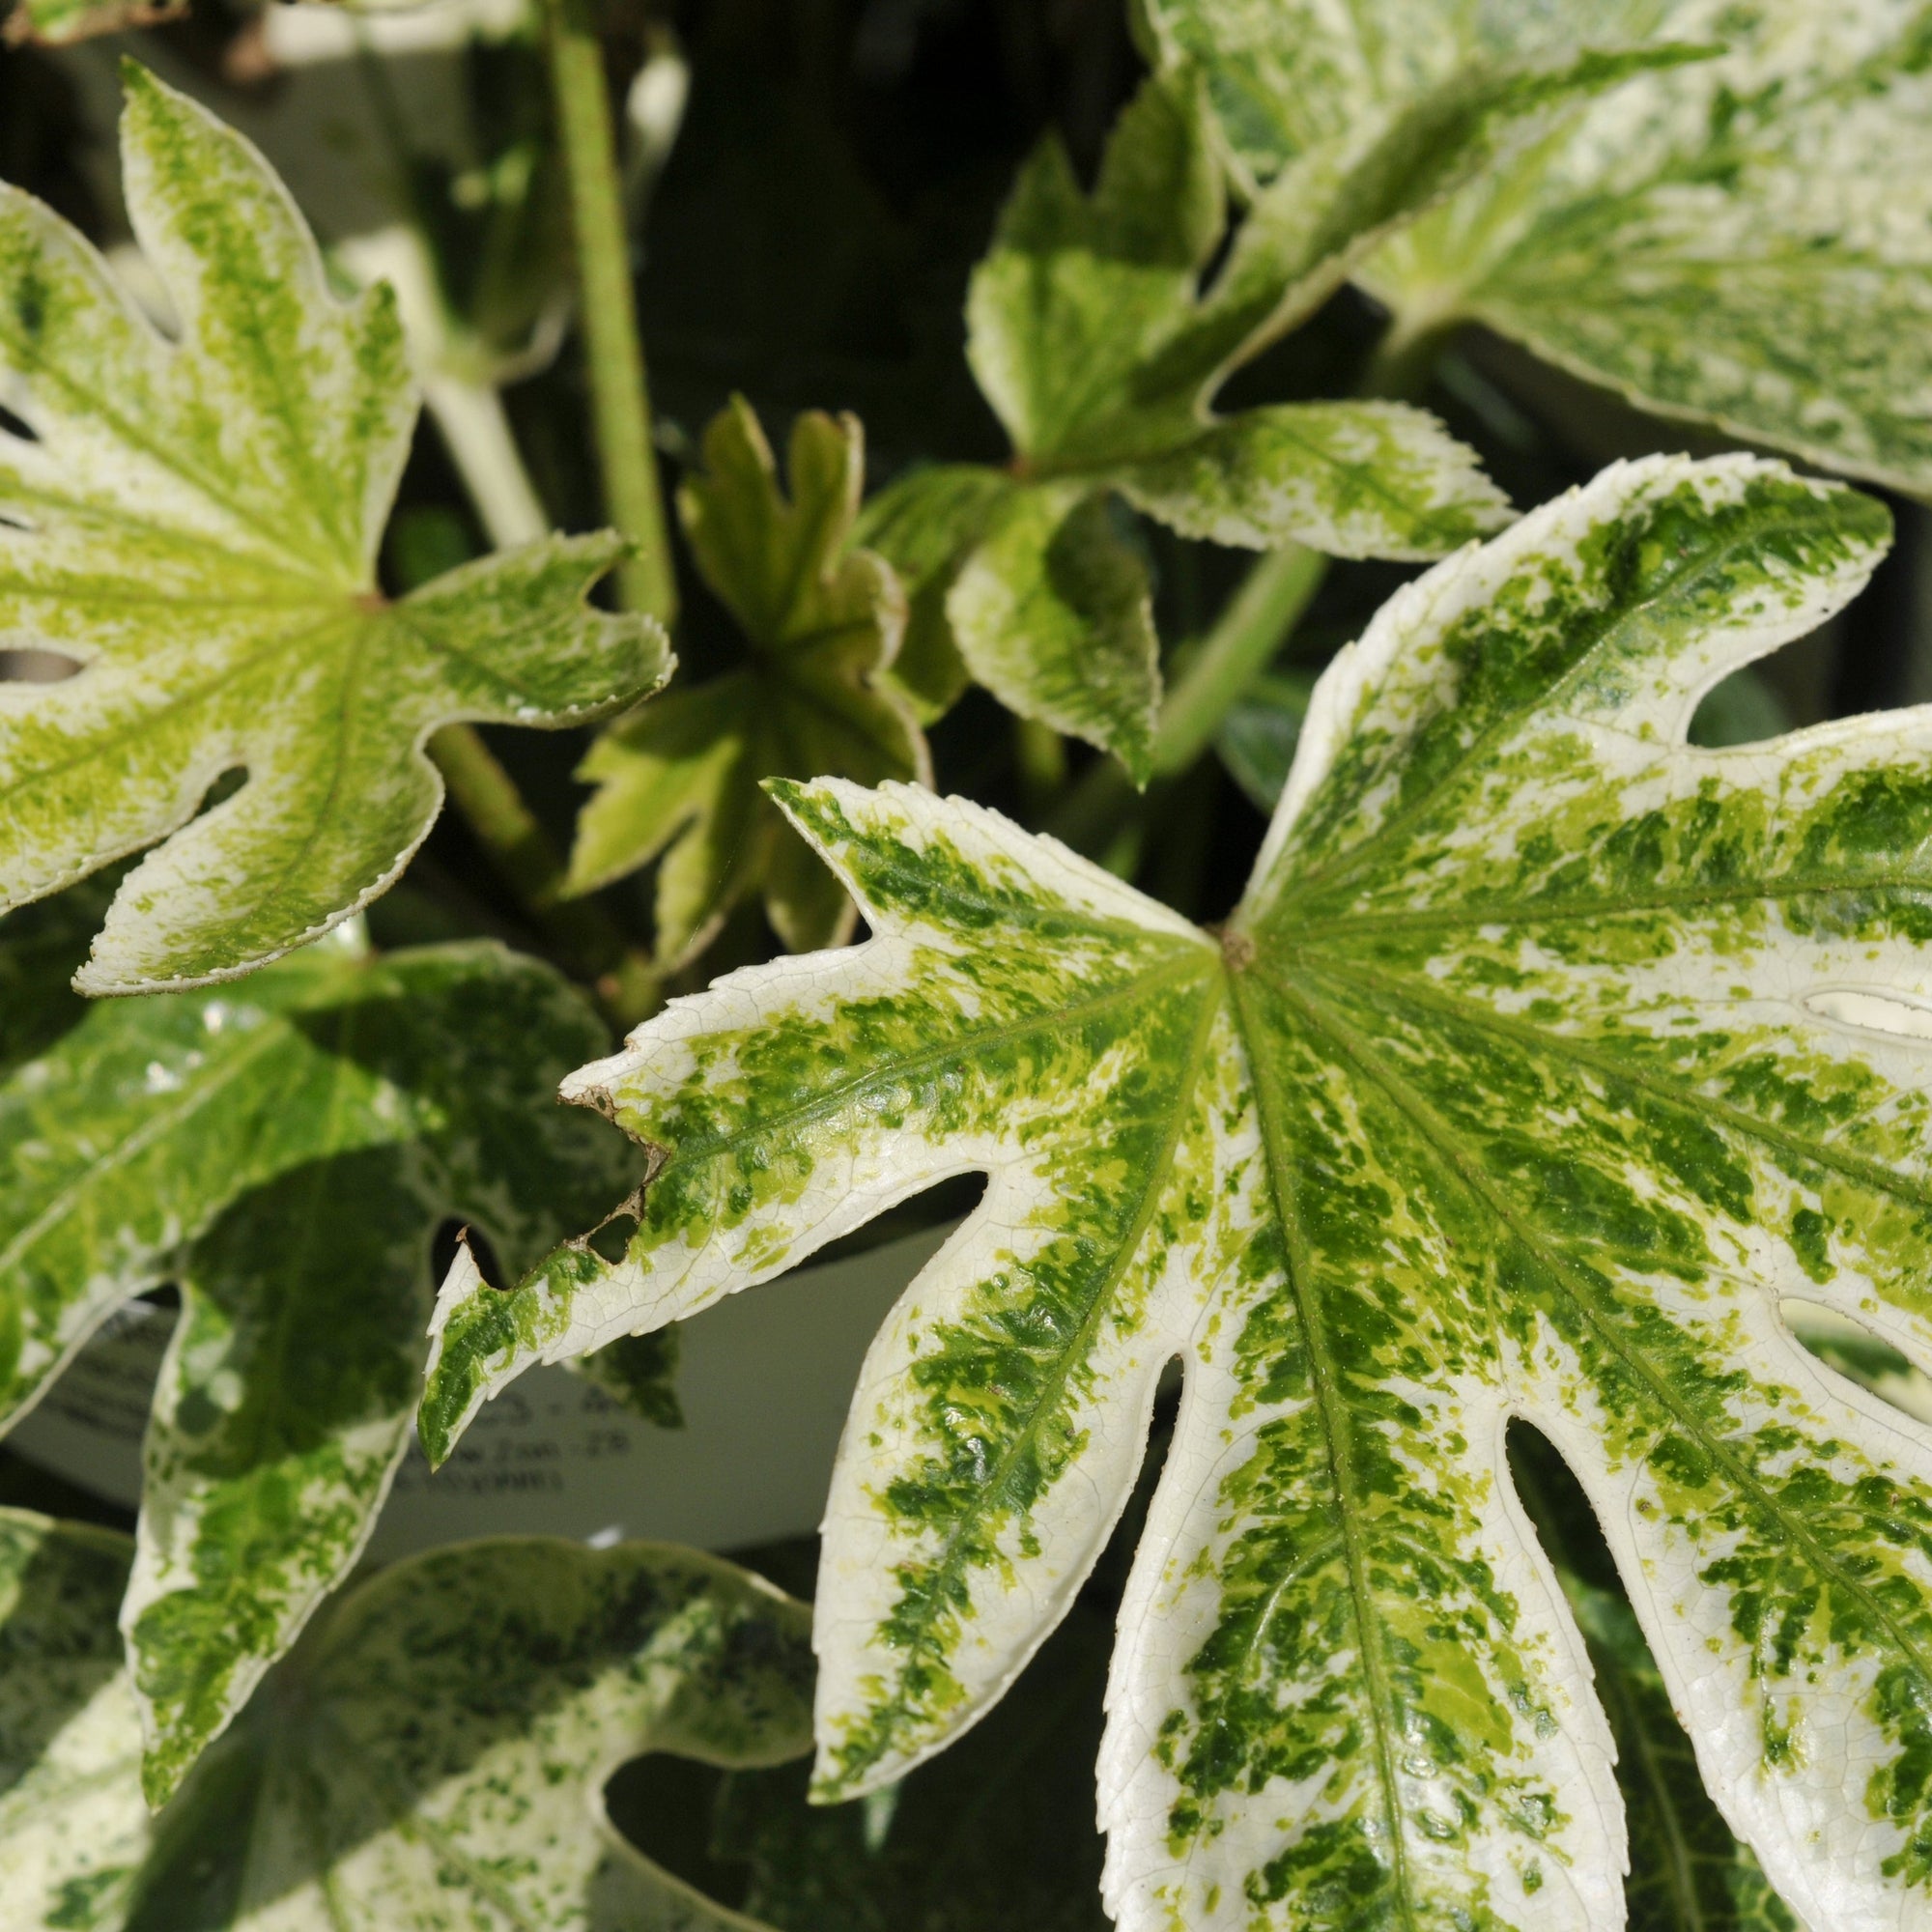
194,523
1748,243
1101,355
434,1756
285,1151
681,776
1544,1056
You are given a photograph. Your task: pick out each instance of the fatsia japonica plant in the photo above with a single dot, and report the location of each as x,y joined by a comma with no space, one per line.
1420,1371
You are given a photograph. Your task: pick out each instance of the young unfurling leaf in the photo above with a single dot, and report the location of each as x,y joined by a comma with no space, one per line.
372,1787
284,1150
56,23
194,524
1545,1055
822,621
1744,242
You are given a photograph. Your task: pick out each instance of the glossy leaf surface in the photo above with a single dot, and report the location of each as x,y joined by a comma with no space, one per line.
194,524
285,1152
1546,1055
680,777
370,1787
1746,242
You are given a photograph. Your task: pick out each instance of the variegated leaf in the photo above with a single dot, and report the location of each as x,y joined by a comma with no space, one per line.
680,777
285,1151
194,524
1546,1056
1101,353
432,1756
1746,242
1288,79
1688,1872
1054,614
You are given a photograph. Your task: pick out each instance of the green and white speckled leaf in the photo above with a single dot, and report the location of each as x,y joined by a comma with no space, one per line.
1355,471
680,777
1054,615
1688,1872
1546,1056
195,525
285,1152
1101,353
1286,78
1746,242
432,1756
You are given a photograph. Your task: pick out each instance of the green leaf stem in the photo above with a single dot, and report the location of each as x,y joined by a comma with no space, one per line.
1547,1056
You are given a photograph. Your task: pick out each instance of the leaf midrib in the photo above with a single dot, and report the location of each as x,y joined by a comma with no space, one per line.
1475,911
1365,479
1282,1167
90,749
269,891
95,403
1563,1046
694,1151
